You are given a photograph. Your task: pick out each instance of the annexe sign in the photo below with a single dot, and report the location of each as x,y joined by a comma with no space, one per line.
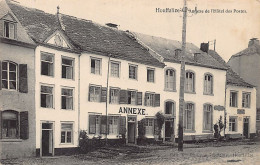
128,110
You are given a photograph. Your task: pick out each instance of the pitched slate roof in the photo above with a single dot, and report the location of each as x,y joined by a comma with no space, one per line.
253,49
166,48
232,77
84,35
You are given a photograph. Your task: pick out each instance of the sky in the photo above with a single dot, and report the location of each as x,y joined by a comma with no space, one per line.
232,31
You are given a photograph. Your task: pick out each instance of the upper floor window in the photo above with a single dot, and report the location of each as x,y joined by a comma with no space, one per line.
114,95
133,72
115,67
169,107
9,30
46,96
233,99
67,68
207,117
189,116
66,98
150,75
189,82
9,75
66,132
47,62
94,93
149,99
246,99
170,79
95,66
132,97
208,84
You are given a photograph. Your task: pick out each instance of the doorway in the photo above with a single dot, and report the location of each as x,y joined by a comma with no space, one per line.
246,127
47,140
131,129
169,130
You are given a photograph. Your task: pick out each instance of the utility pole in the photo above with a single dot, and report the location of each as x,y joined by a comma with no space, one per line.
182,79
108,63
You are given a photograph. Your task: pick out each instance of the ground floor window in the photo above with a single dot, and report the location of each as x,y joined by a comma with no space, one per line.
149,126
189,116
66,132
207,117
233,124
10,124
113,124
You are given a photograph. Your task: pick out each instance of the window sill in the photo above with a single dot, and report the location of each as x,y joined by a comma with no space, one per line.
190,92
170,90
66,144
208,94
96,74
11,140
189,131
152,82
133,79
233,106
47,108
207,131
67,109
47,76
70,79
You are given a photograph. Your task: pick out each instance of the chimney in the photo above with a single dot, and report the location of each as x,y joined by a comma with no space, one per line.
112,25
204,47
253,41
196,57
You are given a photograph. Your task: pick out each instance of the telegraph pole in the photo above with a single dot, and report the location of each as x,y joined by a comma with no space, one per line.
182,79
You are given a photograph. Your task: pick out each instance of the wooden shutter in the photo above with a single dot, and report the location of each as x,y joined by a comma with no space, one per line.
123,97
24,125
0,81
110,95
193,117
122,125
139,98
103,94
145,99
157,100
92,121
1,124
23,80
89,89
103,125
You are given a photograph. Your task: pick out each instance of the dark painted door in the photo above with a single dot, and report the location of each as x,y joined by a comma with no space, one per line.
246,128
131,132
168,130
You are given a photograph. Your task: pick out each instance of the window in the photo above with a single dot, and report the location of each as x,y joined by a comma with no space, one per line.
133,72
46,96
189,82
67,68
66,98
233,124
149,99
113,124
150,75
9,75
208,84
149,126
170,79
207,117
95,66
10,124
169,107
115,69
189,116
233,99
114,95
94,124
246,99
95,93
131,97
66,132
47,61
9,30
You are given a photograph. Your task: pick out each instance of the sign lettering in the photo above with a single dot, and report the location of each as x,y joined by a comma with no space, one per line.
137,111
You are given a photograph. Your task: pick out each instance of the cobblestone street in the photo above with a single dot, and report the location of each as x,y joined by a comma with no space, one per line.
236,154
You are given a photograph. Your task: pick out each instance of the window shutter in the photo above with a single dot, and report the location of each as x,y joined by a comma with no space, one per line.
0,124
92,122
139,98
123,97
0,81
157,100
145,99
193,118
110,95
122,128
24,125
103,125
89,89
103,94
23,81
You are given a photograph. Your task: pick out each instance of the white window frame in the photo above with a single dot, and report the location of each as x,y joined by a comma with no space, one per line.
130,76
170,81
9,32
148,76
66,132
113,123
208,109
208,84
112,72
69,97
173,107
149,126
190,82
97,70
49,63
68,66
149,99
192,111
230,124
231,98
246,102
53,90
95,97
114,99
133,97
8,75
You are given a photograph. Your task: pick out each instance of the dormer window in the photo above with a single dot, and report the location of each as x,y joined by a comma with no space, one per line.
9,30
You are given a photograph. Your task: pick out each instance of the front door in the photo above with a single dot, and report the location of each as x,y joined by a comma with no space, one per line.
47,139
246,127
131,129
169,130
